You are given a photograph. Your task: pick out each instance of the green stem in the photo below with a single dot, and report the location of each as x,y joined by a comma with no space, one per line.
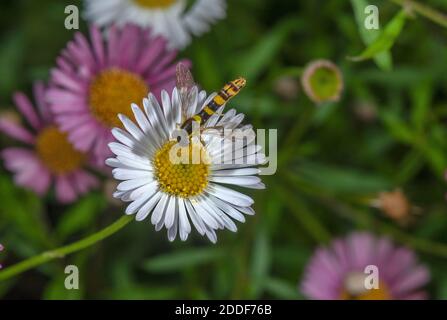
304,216
63,251
424,10
294,136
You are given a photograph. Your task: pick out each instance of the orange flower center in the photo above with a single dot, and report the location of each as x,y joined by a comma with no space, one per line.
355,289
112,92
182,171
154,4
56,152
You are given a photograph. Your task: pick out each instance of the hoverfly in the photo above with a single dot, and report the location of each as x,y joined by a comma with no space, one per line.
185,82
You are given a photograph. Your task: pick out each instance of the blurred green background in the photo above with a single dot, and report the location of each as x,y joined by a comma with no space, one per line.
388,131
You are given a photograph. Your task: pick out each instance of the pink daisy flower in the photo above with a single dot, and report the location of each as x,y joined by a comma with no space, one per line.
97,79
338,272
49,156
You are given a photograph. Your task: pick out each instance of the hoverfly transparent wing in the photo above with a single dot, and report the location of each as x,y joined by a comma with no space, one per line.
238,133
184,83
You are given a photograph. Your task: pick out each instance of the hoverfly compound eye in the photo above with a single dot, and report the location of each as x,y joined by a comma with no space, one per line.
241,82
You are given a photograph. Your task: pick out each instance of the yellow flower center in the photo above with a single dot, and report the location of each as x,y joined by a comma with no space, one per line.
355,289
112,92
182,171
56,152
154,4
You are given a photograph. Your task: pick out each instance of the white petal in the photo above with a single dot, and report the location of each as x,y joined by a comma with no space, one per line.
168,110
133,183
228,223
196,220
145,210
171,212
131,127
123,137
126,174
125,151
135,205
236,172
159,112
247,210
172,232
136,164
147,188
230,195
204,215
211,234
159,210
228,209
213,212
241,181
151,134
258,186
152,116
184,225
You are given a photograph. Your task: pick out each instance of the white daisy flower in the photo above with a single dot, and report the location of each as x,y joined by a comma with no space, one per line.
178,195
169,18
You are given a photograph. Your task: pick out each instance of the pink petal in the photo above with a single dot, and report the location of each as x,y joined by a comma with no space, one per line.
84,181
421,295
148,57
65,80
98,46
167,58
112,47
37,179
413,279
26,108
84,136
28,169
40,96
16,131
87,54
65,192
129,36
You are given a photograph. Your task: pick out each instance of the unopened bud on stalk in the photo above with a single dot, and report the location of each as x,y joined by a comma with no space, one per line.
322,81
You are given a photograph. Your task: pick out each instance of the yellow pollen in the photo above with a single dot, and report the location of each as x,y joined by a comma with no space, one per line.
154,4
56,152
184,179
112,92
354,289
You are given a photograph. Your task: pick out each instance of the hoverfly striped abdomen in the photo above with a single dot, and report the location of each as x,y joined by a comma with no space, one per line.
230,90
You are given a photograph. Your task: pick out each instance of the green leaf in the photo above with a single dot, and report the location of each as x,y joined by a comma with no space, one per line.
384,59
398,128
178,261
342,180
11,58
409,167
23,210
56,290
442,291
138,292
303,215
385,40
281,289
206,68
80,215
260,262
421,98
436,158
